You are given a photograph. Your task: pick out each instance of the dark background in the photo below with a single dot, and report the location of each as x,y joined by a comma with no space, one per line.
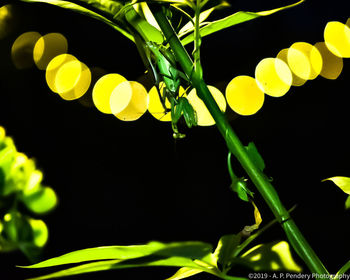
122,183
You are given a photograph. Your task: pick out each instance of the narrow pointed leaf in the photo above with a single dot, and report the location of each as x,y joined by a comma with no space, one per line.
232,20
118,264
82,10
342,271
189,249
184,272
342,182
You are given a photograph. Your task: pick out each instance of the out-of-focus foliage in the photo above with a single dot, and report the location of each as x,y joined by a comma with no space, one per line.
20,183
192,257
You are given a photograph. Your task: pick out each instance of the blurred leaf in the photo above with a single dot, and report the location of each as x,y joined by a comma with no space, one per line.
342,182
347,203
41,201
17,227
82,10
225,249
7,157
232,20
272,256
184,272
190,249
40,232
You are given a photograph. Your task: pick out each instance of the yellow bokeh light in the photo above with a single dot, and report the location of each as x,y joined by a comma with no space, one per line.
337,38
48,47
137,104
22,50
155,106
332,64
304,60
68,76
348,22
296,81
273,76
54,66
244,96
102,91
203,115
73,80
120,97
86,99
6,18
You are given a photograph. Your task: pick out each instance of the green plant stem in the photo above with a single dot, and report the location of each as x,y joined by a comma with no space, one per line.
197,42
265,188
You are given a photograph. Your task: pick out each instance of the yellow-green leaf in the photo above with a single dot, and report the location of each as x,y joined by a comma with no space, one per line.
184,272
347,203
342,182
233,19
272,256
82,10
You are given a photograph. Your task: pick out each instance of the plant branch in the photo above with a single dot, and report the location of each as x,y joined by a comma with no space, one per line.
265,188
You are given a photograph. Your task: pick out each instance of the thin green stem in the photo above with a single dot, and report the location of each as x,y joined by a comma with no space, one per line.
265,188
197,41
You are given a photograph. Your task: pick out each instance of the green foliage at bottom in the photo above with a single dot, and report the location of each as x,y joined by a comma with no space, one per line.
191,257
20,183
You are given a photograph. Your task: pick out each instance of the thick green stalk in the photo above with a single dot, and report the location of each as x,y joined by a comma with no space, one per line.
265,188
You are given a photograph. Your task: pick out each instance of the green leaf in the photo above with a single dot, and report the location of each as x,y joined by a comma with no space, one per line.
40,232
273,256
342,271
184,272
147,31
347,203
119,264
255,156
240,187
82,10
41,201
225,249
342,182
190,249
232,20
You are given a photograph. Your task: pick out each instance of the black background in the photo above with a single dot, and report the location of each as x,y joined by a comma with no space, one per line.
122,183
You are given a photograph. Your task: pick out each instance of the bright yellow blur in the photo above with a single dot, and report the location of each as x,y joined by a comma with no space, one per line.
203,115
48,47
102,91
273,76
244,96
73,80
304,60
22,50
53,68
137,104
332,64
296,81
155,106
5,20
120,97
337,38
